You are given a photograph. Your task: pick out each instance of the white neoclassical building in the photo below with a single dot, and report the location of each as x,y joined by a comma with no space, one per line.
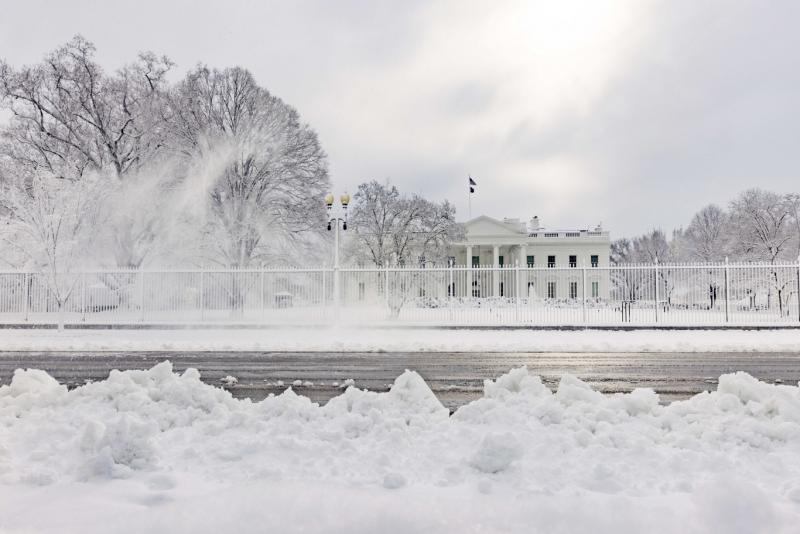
510,242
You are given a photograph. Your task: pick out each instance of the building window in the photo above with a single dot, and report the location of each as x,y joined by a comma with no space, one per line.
595,289
476,261
551,261
551,290
451,261
595,260
530,261
573,290
573,261
362,290
501,260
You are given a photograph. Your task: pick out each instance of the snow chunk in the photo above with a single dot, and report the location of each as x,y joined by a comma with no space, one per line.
574,390
496,453
516,381
229,380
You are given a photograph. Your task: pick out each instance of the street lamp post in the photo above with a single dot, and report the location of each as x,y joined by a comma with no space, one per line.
335,216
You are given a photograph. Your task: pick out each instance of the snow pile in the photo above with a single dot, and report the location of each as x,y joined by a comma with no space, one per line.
520,459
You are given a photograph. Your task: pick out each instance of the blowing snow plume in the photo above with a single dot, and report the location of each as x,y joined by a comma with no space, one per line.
211,170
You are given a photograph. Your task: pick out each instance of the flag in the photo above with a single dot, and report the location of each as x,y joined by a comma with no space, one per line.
471,183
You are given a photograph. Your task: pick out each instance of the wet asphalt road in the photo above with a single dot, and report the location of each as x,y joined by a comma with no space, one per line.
456,378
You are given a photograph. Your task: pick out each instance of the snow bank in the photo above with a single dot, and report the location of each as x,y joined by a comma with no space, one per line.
349,339
156,451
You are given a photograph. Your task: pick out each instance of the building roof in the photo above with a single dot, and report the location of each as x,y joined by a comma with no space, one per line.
484,228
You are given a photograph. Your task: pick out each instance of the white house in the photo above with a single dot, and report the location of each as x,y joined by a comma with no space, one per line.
508,243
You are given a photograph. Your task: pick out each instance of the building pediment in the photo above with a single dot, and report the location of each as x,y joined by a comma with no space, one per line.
485,226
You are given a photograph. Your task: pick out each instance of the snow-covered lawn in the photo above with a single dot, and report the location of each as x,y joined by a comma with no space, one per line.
154,451
350,339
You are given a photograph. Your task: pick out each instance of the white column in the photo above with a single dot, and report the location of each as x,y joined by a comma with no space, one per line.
523,265
496,270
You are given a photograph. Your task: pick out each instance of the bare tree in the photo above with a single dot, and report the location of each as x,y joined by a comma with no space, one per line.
270,173
390,228
707,236
761,221
793,201
74,117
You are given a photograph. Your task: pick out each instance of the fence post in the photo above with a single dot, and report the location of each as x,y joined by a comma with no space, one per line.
516,291
797,281
83,297
336,289
202,294
324,294
261,293
451,289
583,285
655,268
27,282
386,288
141,294
727,291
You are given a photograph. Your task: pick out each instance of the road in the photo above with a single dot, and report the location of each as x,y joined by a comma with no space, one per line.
456,378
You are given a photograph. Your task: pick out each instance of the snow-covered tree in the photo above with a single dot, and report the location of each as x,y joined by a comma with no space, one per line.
69,118
793,201
73,117
270,170
708,235
51,222
762,222
389,228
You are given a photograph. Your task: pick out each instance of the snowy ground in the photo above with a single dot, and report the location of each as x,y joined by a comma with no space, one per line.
154,451
347,339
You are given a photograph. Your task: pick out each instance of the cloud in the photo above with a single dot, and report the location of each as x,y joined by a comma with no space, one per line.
632,112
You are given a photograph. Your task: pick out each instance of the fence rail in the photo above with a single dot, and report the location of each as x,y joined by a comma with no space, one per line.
744,294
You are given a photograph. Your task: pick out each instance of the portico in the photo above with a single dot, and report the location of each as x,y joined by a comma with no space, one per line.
492,245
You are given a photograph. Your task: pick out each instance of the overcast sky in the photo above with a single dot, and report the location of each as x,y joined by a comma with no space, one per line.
634,113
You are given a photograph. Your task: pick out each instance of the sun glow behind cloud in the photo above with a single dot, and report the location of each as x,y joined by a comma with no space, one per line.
483,88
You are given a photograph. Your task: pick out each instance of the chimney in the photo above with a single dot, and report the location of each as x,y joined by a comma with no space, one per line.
534,224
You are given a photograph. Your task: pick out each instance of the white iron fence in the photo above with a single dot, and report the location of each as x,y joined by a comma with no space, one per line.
628,295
